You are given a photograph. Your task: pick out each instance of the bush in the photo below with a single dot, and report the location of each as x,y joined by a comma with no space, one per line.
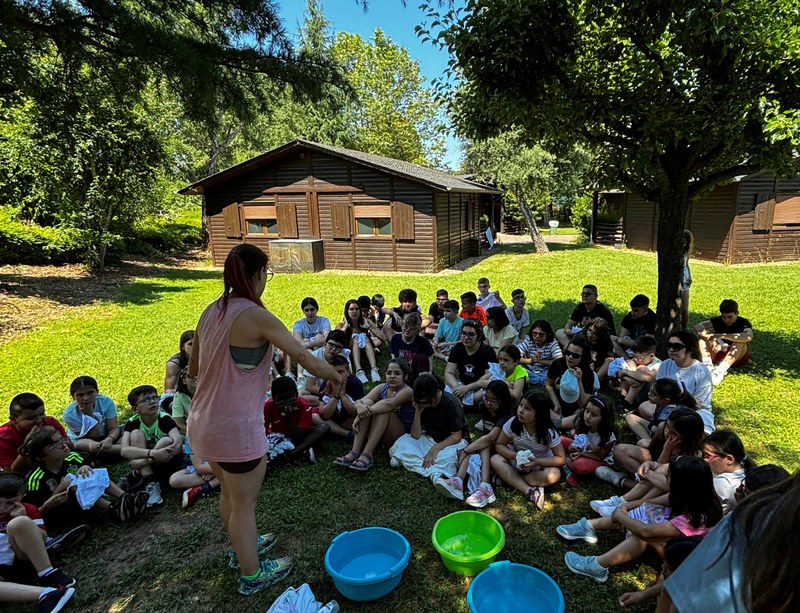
152,235
581,215
27,243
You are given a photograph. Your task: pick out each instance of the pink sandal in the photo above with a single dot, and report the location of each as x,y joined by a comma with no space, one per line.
360,465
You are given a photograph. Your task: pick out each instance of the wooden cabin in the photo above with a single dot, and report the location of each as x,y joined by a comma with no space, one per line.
313,206
755,218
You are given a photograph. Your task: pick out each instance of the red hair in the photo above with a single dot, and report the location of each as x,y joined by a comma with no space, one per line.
241,265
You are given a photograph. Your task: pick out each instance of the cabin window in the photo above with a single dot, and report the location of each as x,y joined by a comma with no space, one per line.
264,227
374,226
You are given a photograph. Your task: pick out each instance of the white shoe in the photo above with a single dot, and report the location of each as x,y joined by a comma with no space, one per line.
609,475
718,374
605,508
153,490
375,375
394,462
452,487
362,377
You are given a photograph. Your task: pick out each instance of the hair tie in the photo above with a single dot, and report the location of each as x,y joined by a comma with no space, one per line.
745,457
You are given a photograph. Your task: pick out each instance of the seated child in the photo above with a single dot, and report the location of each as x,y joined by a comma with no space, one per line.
288,414
760,477
637,374
529,451
474,459
385,414
337,402
436,312
358,329
25,413
665,396
151,442
58,485
196,480
725,340
639,322
725,455
23,535
517,314
516,377
335,344
47,599
91,419
368,314
487,299
595,437
437,433
692,509
448,331
310,331
182,401
539,350
413,348
408,304
470,308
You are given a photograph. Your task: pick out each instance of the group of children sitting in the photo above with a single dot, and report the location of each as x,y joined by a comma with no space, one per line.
536,390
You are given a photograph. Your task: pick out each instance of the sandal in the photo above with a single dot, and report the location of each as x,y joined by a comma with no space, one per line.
347,459
360,465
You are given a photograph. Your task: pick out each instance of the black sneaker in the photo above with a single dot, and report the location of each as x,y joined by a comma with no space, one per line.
68,540
132,482
122,508
56,578
140,503
54,601
622,406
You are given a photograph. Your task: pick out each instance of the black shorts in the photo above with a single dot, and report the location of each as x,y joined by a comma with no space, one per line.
240,468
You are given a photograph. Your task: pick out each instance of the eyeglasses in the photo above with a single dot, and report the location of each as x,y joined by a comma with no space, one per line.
675,346
519,297
335,347
58,444
268,274
572,354
469,334
710,456
535,333
148,399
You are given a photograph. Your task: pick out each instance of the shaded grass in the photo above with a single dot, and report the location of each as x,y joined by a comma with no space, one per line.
175,560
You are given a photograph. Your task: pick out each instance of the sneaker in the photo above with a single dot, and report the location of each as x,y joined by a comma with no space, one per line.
153,490
586,566
375,375
121,508
264,542
311,455
395,462
54,601
581,530
452,487
55,578
362,377
301,383
605,508
572,480
68,540
717,375
131,482
140,500
536,496
191,495
609,475
482,496
270,572
622,407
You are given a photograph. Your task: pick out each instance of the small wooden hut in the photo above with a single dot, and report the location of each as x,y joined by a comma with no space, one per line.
313,206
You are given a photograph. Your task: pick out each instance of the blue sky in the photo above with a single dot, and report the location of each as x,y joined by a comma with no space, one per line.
397,21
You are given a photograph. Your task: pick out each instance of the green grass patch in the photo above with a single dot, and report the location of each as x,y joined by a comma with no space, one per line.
175,561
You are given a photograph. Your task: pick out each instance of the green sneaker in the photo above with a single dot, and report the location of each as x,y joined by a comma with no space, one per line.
270,572
264,542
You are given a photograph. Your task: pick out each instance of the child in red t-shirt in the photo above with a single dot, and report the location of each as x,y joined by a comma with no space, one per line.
26,416
23,535
288,414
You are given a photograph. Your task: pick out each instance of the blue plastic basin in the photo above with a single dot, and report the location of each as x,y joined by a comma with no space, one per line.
506,587
367,564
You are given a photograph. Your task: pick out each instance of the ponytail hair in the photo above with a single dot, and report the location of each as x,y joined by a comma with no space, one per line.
242,264
674,392
726,442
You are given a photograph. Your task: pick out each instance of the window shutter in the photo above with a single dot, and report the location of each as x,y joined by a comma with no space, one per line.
340,219
230,216
287,219
403,221
763,215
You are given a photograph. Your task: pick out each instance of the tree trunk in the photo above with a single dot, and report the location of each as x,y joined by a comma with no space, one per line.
536,237
673,209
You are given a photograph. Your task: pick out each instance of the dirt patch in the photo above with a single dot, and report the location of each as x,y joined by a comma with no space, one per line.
33,295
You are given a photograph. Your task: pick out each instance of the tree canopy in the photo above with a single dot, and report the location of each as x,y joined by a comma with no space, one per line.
673,96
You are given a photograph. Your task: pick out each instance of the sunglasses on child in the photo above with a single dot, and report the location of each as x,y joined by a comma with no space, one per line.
572,354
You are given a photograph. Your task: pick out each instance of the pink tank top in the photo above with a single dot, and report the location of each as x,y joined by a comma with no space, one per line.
226,423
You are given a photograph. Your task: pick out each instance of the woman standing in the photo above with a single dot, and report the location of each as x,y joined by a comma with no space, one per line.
231,357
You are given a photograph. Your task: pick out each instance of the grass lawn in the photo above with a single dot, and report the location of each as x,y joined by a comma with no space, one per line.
175,562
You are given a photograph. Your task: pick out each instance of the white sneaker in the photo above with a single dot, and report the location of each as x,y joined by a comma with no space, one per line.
362,377
153,490
609,475
452,487
395,462
718,374
482,496
375,375
605,508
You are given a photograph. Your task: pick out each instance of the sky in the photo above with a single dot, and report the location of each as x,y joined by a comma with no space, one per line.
397,21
